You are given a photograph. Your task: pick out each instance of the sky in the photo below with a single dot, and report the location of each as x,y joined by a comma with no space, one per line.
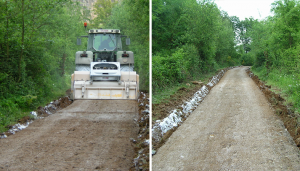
258,9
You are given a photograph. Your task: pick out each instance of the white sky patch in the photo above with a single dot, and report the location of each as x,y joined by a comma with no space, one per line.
258,9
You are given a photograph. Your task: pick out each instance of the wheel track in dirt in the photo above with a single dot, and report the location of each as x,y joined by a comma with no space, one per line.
234,128
87,135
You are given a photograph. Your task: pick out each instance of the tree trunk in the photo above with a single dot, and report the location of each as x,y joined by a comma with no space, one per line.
63,64
22,43
267,62
7,43
290,40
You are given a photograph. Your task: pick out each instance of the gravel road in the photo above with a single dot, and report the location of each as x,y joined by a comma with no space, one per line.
87,135
234,128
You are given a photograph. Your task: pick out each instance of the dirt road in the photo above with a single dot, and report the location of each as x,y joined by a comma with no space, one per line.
232,129
87,135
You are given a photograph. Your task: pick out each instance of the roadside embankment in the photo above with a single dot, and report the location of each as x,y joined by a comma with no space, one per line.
290,119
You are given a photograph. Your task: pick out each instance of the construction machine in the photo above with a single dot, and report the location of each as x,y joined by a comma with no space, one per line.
104,70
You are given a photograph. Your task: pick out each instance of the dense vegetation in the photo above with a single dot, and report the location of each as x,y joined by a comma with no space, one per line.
37,47
132,18
275,47
190,38
38,43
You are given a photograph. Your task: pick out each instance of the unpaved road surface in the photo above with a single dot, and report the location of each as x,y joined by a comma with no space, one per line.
87,135
232,129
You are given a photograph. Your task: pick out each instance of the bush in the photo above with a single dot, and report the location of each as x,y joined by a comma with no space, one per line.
192,58
170,69
260,59
247,59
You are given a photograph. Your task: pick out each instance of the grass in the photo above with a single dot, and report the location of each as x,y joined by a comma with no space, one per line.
164,94
13,109
287,84
10,119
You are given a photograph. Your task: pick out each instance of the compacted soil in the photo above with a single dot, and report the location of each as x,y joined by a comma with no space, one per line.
87,135
234,128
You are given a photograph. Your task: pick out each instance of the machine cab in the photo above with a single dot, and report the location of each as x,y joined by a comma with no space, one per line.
100,40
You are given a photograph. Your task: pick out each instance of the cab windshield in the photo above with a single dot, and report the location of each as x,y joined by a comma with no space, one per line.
104,42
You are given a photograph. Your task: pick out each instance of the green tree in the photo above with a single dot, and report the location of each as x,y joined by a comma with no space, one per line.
102,10
132,18
37,47
200,29
276,40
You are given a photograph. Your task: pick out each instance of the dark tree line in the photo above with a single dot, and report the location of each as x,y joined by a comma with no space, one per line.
37,47
190,38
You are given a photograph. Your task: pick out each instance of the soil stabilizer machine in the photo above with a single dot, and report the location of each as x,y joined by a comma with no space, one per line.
104,70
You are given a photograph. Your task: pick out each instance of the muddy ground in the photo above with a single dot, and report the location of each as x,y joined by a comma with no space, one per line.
88,135
234,128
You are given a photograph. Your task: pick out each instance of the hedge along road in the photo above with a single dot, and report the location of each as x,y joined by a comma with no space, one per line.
87,135
234,128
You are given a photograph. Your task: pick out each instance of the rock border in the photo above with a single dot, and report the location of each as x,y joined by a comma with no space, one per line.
141,142
163,129
40,113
